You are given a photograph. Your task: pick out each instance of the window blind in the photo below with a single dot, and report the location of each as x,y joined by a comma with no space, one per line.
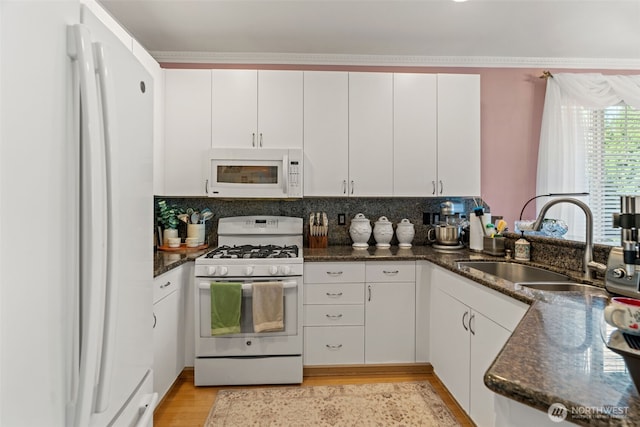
612,137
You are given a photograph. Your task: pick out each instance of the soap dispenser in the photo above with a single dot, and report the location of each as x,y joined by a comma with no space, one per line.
522,249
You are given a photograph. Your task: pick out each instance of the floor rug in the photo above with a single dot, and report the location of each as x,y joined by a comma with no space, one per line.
380,404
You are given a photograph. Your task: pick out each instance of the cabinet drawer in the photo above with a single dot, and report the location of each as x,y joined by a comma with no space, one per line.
338,345
166,283
339,293
332,315
403,271
333,272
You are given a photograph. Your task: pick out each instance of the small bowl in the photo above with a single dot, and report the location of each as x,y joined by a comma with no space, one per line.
174,242
191,242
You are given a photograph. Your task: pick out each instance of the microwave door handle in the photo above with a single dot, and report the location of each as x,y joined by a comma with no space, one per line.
285,172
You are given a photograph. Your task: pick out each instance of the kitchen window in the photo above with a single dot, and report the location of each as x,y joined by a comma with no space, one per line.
612,164
590,142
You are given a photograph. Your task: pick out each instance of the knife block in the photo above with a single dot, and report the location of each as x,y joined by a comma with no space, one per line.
318,241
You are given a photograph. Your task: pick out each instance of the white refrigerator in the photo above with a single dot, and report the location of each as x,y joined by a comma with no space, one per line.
76,212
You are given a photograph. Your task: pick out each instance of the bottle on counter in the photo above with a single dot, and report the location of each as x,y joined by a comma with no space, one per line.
522,249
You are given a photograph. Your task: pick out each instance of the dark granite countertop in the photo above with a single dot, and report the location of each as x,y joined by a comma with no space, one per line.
555,355
164,261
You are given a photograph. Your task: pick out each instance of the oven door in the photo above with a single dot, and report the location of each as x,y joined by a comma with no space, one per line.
248,342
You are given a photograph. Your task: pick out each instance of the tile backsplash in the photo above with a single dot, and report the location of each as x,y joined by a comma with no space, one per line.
395,209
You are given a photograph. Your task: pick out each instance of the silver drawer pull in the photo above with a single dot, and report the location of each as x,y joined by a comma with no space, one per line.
334,273
329,294
334,316
390,272
334,346
165,285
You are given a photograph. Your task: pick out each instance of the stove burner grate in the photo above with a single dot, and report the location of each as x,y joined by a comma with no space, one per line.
253,251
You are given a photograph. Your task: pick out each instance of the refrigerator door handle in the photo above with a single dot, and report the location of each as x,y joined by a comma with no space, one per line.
107,98
93,223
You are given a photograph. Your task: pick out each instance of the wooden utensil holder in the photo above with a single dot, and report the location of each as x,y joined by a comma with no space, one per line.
318,241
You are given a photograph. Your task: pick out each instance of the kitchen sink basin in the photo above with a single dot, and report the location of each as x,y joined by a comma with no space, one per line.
513,272
562,287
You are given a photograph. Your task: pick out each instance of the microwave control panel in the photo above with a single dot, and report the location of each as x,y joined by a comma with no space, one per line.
295,189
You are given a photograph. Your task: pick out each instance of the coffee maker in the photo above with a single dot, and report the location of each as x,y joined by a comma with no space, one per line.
623,266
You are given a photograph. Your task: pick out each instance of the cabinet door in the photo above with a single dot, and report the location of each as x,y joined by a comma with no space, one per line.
326,133
458,135
187,130
414,134
390,322
487,338
450,344
166,366
371,134
234,108
280,109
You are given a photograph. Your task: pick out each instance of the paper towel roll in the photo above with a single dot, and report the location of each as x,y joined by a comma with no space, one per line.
476,231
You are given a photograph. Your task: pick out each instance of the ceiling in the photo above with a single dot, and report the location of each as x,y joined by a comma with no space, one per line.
573,32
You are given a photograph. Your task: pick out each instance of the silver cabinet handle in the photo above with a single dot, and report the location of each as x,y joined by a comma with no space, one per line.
206,186
441,187
334,273
369,289
344,186
329,294
260,139
466,313
155,321
253,139
390,272
334,316
433,185
165,285
473,316
352,186
334,346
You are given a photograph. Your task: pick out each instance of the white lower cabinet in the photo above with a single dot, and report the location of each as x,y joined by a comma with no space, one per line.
333,313
469,326
168,330
357,312
390,312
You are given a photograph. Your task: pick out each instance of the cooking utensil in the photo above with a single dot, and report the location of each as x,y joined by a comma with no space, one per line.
184,218
205,216
195,218
325,224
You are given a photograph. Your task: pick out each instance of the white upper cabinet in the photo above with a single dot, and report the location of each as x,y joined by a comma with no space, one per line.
458,135
234,111
326,133
415,134
187,130
370,134
255,109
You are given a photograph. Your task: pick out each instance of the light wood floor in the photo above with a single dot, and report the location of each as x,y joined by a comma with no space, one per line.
186,405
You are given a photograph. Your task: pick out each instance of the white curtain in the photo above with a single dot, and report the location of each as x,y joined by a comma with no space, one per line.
561,153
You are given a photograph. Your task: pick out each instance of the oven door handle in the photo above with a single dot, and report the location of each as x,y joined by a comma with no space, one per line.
248,286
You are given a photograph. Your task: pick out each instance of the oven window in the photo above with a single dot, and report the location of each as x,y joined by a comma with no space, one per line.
247,174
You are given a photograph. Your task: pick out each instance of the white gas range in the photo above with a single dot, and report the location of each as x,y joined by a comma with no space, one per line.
251,249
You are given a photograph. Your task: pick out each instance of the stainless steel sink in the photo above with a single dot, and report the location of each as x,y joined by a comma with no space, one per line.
562,287
514,272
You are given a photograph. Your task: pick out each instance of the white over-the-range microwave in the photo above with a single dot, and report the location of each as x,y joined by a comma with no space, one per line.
254,173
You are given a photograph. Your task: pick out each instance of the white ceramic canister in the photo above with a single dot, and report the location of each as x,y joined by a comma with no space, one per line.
383,232
405,233
522,249
167,234
360,231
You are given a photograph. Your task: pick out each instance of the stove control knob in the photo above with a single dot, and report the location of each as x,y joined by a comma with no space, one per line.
273,270
211,271
285,270
223,271
618,273
248,270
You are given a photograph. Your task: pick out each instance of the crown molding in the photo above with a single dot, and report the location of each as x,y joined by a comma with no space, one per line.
392,60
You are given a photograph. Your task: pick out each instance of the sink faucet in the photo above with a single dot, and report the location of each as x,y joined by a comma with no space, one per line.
588,264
